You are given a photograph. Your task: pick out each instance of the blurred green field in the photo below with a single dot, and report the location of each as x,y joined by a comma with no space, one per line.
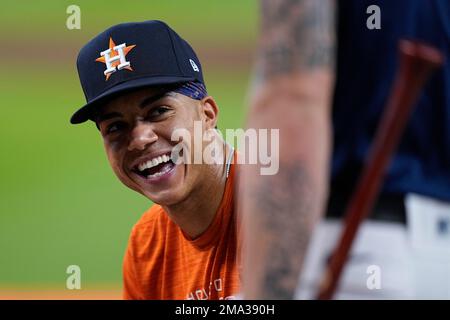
60,202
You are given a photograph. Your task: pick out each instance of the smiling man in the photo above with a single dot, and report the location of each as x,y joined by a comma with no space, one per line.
142,82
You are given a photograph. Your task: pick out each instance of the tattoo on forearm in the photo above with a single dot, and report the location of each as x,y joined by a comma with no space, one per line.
296,35
293,201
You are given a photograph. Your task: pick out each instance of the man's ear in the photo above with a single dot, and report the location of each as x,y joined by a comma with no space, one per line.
210,112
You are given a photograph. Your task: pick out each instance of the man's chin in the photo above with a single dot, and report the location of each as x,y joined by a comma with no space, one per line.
165,199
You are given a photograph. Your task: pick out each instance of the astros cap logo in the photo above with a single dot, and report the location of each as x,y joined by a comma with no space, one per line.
115,57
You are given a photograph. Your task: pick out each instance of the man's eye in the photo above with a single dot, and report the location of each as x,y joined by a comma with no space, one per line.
156,112
114,127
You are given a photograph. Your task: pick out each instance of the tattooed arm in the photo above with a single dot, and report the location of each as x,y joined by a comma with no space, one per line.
292,91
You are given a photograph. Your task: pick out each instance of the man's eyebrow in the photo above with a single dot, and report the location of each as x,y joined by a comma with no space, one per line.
106,116
148,101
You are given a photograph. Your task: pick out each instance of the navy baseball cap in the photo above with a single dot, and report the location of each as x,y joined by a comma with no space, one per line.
129,56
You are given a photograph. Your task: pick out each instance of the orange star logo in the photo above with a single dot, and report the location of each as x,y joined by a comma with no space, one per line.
114,57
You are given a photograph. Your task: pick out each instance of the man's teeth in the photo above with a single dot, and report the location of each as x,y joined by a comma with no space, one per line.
153,162
160,173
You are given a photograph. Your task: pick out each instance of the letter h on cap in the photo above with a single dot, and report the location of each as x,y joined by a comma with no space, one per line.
120,56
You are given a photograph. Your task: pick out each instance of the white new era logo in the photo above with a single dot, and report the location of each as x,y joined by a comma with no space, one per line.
194,66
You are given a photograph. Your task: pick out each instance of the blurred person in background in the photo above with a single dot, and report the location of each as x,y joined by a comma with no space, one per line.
407,237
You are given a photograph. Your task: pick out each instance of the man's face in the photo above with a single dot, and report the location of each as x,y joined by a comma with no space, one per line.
137,129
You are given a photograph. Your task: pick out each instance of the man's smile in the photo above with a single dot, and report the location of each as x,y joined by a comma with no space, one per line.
154,168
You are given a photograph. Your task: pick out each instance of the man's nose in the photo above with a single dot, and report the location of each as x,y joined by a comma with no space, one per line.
141,135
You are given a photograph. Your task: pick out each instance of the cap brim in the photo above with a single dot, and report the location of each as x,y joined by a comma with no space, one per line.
85,112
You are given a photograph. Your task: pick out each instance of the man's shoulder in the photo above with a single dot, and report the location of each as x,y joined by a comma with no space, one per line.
153,214
150,227
152,219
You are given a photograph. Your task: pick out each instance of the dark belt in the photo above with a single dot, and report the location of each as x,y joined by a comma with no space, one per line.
388,208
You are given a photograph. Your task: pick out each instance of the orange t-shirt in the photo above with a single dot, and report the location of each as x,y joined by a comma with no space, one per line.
162,263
